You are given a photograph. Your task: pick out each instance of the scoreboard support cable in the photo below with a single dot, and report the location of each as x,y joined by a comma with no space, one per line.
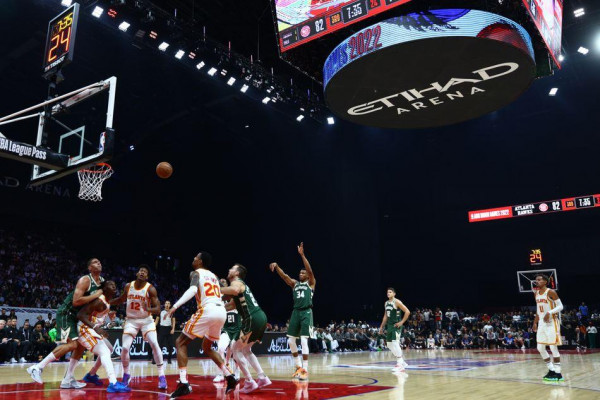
542,207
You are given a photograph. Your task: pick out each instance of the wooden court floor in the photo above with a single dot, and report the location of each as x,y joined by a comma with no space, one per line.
433,374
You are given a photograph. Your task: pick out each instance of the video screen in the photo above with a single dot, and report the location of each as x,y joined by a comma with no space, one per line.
300,21
548,16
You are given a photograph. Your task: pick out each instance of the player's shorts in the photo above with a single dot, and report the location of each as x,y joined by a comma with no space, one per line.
549,332
206,322
88,337
233,333
66,322
393,333
257,324
133,326
301,323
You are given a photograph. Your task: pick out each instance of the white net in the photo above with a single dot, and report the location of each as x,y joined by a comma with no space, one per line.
91,179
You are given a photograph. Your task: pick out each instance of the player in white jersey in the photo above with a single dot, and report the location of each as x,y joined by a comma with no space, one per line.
142,302
547,325
205,324
91,336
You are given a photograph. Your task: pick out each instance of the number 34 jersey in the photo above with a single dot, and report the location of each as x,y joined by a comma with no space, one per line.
209,291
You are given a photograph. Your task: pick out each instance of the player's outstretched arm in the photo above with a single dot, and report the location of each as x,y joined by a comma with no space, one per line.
405,310
154,302
122,298
274,267
187,296
311,276
82,285
235,289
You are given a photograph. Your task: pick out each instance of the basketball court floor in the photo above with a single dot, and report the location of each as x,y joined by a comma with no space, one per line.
433,374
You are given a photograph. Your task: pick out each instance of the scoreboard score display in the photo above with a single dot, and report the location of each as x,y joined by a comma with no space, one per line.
300,21
543,207
60,40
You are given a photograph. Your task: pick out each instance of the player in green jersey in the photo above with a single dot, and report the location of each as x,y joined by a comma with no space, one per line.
301,321
229,334
86,291
254,323
396,314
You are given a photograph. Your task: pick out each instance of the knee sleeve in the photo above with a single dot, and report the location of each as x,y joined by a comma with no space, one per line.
554,350
542,349
293,345
304,342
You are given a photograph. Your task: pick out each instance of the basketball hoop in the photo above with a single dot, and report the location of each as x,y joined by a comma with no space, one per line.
91,180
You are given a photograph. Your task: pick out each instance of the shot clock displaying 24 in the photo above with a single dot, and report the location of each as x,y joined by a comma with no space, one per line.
60,41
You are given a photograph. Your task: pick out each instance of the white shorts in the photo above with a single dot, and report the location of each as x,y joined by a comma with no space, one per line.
88,337
206,322
549,333
133,326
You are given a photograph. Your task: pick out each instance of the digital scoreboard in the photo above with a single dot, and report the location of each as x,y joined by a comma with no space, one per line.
543,207
300,21
60,40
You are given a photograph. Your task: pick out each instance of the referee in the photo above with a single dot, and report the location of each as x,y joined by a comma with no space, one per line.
166,329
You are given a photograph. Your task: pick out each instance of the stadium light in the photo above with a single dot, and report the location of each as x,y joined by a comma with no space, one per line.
163,46
123,26
200,65
231,81
583,50
97,12
579,12
553,91
244,88
300,118
561,58
153,35
330,120
179,54
266,100
212,71
66,3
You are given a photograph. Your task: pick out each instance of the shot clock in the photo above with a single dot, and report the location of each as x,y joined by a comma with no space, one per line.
60,41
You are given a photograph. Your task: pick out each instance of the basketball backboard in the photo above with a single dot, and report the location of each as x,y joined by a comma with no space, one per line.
526,279
70,136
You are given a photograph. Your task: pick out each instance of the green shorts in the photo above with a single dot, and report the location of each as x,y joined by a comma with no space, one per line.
66,322
393,333
301,322
258,324
234,334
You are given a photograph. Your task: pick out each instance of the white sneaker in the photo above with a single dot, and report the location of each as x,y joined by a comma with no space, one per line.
262,382
404,364
22,360
398,369
13,361
219,378
249,386
73,384
36,374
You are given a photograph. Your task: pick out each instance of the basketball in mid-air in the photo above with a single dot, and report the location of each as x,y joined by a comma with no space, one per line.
164,170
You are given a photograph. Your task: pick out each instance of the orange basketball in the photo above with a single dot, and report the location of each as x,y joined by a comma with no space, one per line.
164,170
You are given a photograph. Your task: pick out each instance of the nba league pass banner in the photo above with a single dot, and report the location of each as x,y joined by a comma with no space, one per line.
272,343
429,69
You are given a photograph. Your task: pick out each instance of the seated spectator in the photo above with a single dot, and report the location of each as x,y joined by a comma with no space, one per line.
430,342
450,342
25,338
41,342
508,342
467,342
362,340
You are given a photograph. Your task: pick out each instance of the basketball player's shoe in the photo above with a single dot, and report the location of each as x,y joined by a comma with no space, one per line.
94,379
303,375
232,382
558,377
264,381
36,374
73,384
297,373
118,387
126,378
162,382
549,376
249,386
219,378
181,390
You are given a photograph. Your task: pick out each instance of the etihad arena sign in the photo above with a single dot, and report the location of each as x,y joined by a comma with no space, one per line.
429,69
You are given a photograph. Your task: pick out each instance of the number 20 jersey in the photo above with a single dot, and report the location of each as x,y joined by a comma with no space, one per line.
209,291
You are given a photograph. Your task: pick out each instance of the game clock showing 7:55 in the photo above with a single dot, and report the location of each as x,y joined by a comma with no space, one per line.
60,41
